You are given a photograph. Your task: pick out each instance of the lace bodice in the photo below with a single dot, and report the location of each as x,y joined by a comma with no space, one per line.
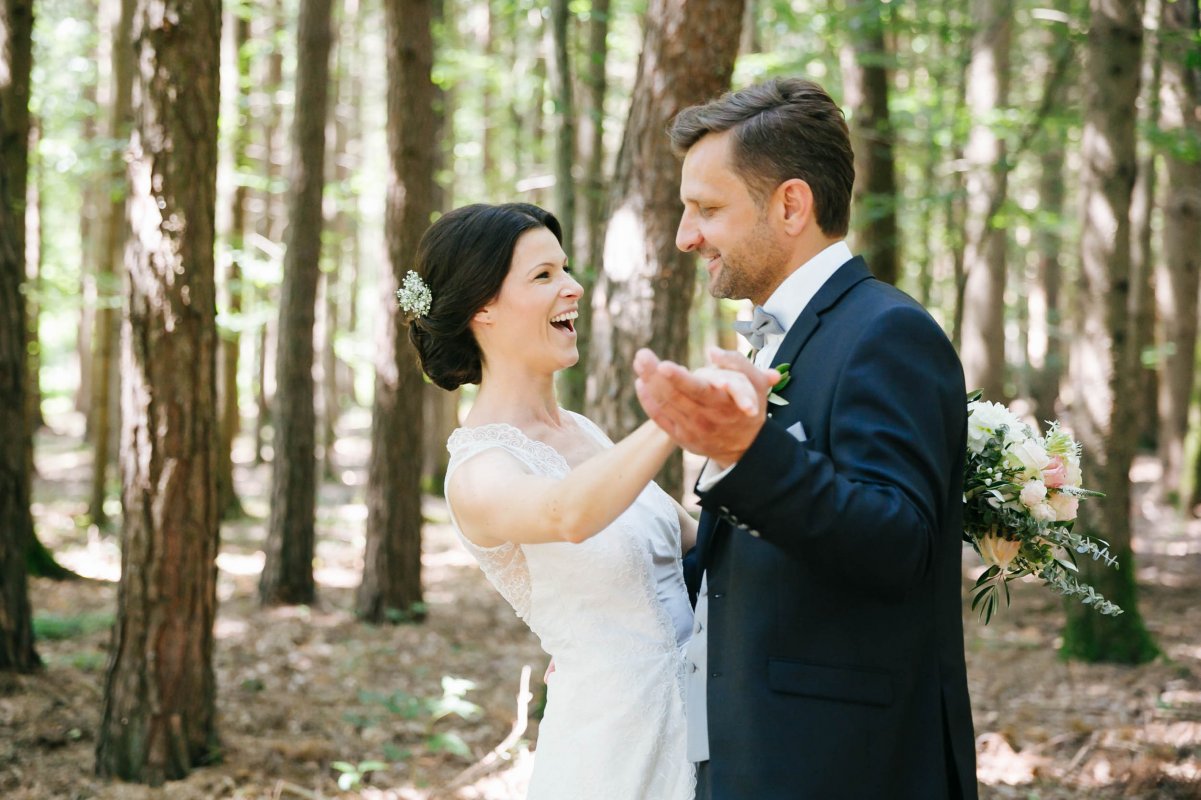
613,611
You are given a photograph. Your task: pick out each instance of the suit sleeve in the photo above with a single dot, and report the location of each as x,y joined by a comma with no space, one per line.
871,510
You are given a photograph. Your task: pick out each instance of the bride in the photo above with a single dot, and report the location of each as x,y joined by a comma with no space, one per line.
564,523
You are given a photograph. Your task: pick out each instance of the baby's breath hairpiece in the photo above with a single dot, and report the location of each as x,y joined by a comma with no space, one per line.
414,295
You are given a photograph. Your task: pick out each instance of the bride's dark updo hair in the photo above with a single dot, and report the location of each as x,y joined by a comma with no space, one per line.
464,258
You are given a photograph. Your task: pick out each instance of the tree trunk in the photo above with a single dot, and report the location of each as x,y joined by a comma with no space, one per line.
16,523
1048,362
590,233
1181,261
391,587
271,220
1103,411
560,79
159,715
644,292
33,274
1046,344
288,571
228,504
106,375
983,344
865,66
1142,257
441,417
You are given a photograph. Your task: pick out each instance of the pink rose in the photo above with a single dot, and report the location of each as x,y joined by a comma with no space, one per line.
1055,474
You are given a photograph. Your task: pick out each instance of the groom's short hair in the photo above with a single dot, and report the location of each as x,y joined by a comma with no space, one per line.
784,128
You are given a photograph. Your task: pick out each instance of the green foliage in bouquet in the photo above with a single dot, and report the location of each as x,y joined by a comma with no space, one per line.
1020,495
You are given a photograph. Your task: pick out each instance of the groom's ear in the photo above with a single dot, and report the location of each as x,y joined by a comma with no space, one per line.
796,205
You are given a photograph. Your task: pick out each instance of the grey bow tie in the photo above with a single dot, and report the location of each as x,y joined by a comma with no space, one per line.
761,326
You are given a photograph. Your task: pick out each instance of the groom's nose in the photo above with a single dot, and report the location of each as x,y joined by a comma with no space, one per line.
688,235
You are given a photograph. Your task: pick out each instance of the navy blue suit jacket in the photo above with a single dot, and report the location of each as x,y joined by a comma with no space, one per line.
836,663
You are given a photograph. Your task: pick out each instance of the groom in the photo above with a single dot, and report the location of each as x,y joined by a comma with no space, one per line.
827,660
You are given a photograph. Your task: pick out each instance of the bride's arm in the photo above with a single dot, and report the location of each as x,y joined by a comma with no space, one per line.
495,500
688,526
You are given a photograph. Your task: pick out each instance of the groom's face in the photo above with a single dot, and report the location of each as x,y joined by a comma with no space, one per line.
725,226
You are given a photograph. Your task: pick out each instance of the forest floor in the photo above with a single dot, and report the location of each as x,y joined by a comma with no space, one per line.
303,688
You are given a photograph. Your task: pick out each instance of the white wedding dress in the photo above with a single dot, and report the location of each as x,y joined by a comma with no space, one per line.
613,611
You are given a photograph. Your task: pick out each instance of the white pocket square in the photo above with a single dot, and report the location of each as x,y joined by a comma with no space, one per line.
798,430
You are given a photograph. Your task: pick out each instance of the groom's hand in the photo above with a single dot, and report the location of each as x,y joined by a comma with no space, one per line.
705,413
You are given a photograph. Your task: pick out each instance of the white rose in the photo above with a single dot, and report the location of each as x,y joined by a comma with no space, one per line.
1043,512
1065,506
1029,455
983,421
1073,477
1033,494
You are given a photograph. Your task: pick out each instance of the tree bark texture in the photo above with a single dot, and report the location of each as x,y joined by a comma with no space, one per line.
228,503
106,376
644,292
1103,409
288,571
16,522
159,715
1181,261
865,70
983,344
391,587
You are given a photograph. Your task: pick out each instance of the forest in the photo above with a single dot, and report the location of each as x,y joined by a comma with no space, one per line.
226,567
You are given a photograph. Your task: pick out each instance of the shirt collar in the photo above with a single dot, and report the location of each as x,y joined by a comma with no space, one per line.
790,297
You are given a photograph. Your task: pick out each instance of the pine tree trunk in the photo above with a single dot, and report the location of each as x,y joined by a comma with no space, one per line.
288,571
271,221
983,344
590,212
1046,295
1181,261
865,71
16,523
106,376
1103,412
228,504
391,586
159,715
1142,256
644,292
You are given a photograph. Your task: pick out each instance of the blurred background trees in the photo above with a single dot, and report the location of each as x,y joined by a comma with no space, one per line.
1031,171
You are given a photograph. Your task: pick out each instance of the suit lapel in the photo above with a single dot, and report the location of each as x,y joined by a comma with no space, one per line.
849,274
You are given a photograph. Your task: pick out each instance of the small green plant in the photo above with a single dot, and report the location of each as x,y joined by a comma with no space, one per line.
58,627
429,710
353,775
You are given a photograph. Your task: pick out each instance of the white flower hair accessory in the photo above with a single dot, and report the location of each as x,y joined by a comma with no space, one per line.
414,295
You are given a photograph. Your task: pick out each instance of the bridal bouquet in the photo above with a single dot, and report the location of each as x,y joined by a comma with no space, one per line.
1020,495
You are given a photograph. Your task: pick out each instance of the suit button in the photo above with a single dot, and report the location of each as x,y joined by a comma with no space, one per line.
717,596
756,534
714,674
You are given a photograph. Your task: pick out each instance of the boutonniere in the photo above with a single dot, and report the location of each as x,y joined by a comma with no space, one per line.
773,396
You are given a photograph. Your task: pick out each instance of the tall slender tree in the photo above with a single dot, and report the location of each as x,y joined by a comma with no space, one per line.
644,291
16,523
1103,412
231,339
106,379
1181,262
159,715
291,539
865,65
983,342
391,586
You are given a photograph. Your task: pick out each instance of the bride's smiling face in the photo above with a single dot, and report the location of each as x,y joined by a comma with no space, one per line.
533,316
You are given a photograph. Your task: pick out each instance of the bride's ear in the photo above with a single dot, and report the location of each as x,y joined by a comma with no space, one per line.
483,316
